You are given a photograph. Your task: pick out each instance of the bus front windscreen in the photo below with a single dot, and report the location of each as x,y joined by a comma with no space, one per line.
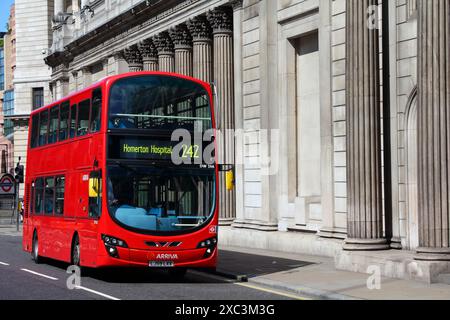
161,199
159,102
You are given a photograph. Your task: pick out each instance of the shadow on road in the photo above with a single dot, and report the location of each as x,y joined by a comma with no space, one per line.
133,275
251,265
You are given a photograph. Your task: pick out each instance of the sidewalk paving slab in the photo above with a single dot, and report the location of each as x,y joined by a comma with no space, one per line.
321,280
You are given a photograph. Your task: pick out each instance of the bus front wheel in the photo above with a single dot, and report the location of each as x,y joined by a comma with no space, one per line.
76,251
35,249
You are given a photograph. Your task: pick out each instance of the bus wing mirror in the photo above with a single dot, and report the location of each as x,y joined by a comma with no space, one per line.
94,187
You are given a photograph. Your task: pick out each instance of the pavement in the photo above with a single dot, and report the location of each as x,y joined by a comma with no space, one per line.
319,279
242,274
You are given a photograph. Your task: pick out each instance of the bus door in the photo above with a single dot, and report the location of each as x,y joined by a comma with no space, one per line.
88,215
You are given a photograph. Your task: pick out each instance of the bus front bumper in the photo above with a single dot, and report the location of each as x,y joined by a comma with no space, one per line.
190,258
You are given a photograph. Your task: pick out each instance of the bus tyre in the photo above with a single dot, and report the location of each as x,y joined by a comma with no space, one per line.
178,273
35,249
76,251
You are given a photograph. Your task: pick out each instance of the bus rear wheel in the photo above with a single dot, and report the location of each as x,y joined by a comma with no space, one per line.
76,251
177,273
35,249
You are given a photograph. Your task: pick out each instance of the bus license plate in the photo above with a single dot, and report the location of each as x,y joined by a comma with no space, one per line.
161,264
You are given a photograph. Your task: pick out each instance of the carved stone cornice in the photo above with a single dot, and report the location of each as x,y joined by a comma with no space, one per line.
199,29
132,55
181,37
221,19
164,43
148,49
236,4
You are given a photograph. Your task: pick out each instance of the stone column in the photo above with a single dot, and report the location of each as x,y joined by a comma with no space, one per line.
149,55
166,58
182,41
133,58
61,88
238,109
202,50
364,183
59,7
120,65
434,129
221,21
86,78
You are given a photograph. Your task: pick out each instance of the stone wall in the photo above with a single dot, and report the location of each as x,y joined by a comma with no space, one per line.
406,69
33,34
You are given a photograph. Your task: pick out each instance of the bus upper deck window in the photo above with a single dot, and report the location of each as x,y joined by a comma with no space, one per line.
73,120
83,118
43,127
96,110
34,131
53,127
64,121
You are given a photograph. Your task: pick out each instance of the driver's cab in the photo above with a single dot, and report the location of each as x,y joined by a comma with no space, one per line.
117,120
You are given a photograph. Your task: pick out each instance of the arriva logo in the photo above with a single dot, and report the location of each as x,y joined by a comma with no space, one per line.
167,256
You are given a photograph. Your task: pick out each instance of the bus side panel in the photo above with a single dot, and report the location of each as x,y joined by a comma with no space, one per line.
26,236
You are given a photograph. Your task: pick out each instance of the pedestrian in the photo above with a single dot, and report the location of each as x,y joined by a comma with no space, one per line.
20,210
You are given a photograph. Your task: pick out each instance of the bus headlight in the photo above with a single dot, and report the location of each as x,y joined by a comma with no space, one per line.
111,245
112,251
209,244
111,241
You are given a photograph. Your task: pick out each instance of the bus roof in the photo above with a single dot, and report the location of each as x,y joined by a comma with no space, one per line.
113,78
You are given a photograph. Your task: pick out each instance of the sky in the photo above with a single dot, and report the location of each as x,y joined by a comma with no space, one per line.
4,13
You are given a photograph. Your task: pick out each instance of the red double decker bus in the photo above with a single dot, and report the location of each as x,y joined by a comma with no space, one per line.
102,187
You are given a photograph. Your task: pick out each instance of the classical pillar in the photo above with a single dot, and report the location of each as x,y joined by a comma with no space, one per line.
149,55
166,58
120,65
238,109
434,129
75,6
133,58
221,21
202,50
364,182
87,76
61,88
182,41
59,7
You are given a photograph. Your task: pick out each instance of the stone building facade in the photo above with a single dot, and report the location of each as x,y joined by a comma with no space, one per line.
7,96
31,75
344,113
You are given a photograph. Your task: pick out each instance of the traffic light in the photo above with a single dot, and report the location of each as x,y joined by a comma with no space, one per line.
19,173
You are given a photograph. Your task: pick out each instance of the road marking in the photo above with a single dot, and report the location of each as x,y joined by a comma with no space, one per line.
292,296
96,292
4,263
39,274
